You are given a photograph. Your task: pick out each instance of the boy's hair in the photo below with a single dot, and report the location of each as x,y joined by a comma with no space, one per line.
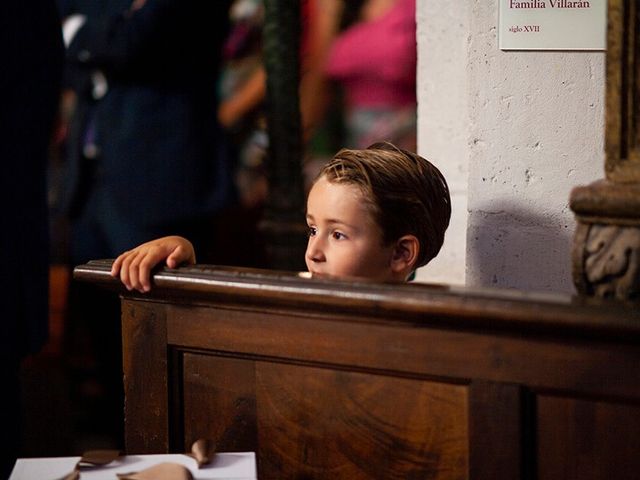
407,194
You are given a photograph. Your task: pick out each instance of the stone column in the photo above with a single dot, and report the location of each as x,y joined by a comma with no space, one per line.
606,250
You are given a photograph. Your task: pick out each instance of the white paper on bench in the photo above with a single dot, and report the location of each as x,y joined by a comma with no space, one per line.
225,466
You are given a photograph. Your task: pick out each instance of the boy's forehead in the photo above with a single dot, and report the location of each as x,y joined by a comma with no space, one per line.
336,202
326,192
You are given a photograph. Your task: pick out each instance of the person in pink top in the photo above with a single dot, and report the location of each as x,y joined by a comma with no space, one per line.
374,62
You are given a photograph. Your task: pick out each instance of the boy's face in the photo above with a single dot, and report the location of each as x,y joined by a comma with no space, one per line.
344,239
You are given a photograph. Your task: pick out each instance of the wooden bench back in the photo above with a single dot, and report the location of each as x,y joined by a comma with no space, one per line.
337,380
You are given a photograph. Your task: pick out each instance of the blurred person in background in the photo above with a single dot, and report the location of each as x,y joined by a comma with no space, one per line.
242,91
243,86
373,60
145,157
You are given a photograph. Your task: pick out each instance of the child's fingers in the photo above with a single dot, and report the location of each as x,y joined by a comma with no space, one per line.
134,270
126,269
176,257
147,262
140,267
117,264
134,266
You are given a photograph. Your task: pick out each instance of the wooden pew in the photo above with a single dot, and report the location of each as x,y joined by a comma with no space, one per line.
327,379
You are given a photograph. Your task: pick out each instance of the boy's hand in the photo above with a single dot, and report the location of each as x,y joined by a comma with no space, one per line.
134,266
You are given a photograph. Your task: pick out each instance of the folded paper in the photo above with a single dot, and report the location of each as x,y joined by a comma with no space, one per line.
162,471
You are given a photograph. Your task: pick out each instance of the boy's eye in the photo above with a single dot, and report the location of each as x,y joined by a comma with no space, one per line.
312,231
338,235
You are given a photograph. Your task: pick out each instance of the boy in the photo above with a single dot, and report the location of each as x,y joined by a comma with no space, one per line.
377,213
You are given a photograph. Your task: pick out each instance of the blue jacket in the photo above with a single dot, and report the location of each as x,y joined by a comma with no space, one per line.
161,153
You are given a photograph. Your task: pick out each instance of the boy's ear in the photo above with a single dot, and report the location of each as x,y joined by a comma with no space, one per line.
405,255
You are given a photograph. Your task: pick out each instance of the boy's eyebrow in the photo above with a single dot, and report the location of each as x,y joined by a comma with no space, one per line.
334,221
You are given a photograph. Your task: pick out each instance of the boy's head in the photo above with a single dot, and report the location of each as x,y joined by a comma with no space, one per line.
376,213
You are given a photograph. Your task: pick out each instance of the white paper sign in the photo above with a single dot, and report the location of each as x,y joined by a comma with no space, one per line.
553,25
225,466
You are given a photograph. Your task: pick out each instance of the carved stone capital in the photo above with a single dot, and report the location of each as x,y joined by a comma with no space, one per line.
606,261
606,249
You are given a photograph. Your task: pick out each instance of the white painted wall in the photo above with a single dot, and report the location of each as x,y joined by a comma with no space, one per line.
532,128
443,120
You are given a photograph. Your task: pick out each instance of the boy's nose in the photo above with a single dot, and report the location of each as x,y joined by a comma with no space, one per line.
315,253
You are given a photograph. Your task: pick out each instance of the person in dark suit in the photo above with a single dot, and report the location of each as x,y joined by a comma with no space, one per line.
146,155
32,57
